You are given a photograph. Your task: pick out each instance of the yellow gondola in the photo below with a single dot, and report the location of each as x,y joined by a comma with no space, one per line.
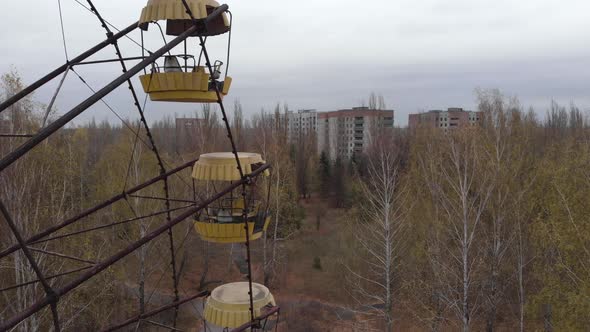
223,221
184,83
229,304
178,21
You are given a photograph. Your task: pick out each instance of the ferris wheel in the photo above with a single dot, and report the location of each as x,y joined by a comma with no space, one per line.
234,211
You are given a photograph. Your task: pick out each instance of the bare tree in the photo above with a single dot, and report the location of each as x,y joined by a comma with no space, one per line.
498,239
238,126
376,102
373,101
381,103
33,188
379,237
452,169
277,155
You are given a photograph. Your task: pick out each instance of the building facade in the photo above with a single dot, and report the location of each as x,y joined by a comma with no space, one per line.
347,132
452,118
301,123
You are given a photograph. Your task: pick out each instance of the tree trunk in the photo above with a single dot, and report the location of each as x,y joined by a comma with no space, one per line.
465,289
547,313
388,265
492,297
521,294
465,257
203,280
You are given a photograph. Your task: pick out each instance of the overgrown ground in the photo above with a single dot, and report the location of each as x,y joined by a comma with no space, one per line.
311,287
312,294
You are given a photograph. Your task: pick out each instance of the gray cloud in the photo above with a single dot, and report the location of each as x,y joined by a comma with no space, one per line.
332,53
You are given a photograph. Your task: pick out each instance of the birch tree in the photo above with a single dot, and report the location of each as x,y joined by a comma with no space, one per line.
378,234
452,170
509,166
37,189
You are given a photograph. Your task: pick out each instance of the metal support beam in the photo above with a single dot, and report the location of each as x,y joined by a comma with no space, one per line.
57,90
72,114
60,255
98,268
26,91
153,148
51,297
15,135
257,320
118,223
176,200
222,9
99,207
170,328
155,312
46,278
110,60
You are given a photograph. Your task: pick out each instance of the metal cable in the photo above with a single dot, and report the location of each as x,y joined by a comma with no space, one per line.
239,165
231,19
136,138
46,278
154,150
117,29
26,250
52,101
126,124
201,53
162,34
63,33
155,214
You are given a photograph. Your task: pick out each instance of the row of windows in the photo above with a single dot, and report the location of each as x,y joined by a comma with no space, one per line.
456,119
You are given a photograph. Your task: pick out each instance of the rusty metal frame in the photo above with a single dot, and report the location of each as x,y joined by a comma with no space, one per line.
221,9
118,223
256,322
46,278
16,135
95,209
44,80
73,113
153,147
155,312
53,297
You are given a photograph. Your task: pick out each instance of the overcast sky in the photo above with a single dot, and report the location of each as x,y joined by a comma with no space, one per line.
330,54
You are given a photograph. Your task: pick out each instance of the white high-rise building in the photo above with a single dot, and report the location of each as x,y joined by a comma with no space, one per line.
346,132
339,133
301,123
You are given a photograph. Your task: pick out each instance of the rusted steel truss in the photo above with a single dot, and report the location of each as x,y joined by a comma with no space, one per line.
155,312
257,323
61,69
73,113
95,209
53,297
